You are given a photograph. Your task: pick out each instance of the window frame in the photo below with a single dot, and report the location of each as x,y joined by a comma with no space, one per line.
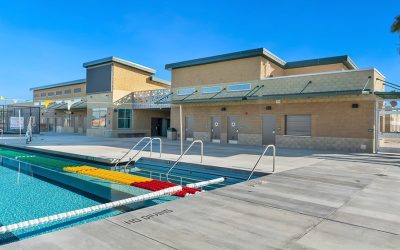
59,92
204,90
181,92
126,120
67,91
230,88
77,90
99,117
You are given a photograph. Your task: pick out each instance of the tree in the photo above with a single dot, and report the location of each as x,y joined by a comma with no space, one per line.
396,25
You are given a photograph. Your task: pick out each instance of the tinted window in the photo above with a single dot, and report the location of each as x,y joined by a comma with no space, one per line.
98,79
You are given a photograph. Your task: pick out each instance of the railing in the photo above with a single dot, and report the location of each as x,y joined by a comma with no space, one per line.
151,145
159,98
151,150
134,146
1,132
180,157
273,159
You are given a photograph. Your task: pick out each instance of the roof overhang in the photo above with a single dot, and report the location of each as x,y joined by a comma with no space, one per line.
118,60
226,57
61,84
356,92
346,60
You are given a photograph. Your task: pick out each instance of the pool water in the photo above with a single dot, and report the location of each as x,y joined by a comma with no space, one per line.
38,186
24,197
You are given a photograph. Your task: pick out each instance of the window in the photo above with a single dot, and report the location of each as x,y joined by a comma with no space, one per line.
50,94
239,87
99,116
124,118
77,90
59,92
298,125
211,89
185,91
67,92
36,95
43,94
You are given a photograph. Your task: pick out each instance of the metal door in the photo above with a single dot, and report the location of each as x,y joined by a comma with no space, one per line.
189,128
268,129
216,129
233,129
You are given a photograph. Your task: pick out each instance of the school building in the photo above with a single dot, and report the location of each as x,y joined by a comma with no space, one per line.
114,100
246,97
255,97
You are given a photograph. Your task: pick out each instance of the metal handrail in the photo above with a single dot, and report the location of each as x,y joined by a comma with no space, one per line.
151,145
265,151
180,157
134,146
131,159
1,131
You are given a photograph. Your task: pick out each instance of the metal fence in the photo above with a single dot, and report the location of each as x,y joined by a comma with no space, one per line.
14,119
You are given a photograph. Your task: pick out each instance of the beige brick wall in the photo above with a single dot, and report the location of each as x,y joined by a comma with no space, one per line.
331,117
63,96
316,69
128,79
245,69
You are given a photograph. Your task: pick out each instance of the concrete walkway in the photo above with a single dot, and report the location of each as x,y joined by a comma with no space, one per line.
324,201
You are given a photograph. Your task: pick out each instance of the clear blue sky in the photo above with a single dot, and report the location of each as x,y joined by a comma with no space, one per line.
44,42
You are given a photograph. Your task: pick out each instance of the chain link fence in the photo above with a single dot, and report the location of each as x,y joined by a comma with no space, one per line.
14,119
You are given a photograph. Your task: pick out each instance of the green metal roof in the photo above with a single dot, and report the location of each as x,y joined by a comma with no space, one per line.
267,54
388,95
277,96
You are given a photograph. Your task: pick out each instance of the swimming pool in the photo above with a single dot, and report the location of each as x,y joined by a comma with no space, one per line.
34,185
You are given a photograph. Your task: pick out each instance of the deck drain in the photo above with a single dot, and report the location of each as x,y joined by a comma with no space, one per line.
380,175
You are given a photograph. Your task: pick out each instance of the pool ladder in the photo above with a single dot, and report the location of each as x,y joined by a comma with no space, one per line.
150,142
264,152
180,157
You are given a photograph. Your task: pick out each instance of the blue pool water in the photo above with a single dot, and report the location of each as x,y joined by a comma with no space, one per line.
39,187
24,197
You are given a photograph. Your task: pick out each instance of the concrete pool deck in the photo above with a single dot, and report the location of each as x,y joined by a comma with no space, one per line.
318,200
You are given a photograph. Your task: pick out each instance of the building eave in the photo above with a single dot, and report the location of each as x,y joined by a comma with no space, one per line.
61,84
118,60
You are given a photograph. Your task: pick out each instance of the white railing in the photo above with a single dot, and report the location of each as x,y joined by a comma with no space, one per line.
141,150
265,151
151,145
190,146
132,148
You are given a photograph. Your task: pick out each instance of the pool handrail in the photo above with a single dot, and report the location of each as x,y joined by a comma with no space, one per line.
138,152
151,145
265,151
132,148
180,157
1,132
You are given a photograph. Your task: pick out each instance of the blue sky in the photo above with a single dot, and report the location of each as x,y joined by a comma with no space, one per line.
46,42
